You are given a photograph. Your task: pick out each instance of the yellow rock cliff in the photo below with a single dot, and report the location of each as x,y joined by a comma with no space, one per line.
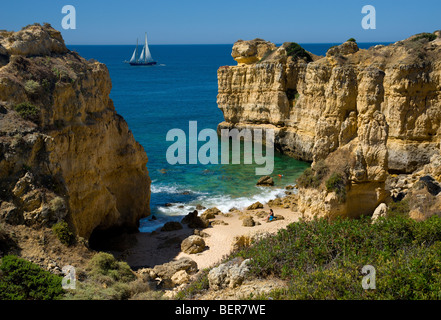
62,143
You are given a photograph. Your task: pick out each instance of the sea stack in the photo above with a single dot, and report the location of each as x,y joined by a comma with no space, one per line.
65,154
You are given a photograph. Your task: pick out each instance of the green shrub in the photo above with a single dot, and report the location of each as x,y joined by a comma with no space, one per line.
351,40
108,279
399,208
312,178
322,259
28,111
337,183
24,280
32,86
105,264
63,233
199,285
296,51
428,36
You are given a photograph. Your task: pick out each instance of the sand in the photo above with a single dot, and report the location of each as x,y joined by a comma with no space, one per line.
163,246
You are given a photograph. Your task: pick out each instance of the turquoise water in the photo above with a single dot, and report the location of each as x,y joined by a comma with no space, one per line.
183,88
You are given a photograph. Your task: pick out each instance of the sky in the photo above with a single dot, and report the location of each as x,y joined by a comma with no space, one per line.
224,22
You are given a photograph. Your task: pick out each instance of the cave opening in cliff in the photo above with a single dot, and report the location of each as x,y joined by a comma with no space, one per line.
292,94
113,239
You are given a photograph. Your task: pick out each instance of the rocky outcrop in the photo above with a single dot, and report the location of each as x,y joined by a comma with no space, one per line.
372,112
192,220
172,273
265,181
64,151
229,274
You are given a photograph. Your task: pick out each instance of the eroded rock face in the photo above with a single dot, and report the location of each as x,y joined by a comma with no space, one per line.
251,51
380,108
74,144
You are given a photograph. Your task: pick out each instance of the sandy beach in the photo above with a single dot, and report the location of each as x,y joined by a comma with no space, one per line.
163,246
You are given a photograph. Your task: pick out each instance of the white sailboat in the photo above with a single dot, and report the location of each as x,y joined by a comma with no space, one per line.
145,58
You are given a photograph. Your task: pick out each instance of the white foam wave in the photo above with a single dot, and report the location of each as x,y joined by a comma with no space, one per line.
222,202
176,211
172,189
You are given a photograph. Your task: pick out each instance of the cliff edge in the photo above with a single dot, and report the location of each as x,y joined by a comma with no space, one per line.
359,116
65,154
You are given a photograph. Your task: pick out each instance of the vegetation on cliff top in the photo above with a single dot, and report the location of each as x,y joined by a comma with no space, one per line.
313,177
296,51
24,280
106,278
426,35
63,233
323,259
28,111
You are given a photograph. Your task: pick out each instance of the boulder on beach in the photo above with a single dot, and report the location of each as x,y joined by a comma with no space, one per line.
211,213
265,181
256,205
218,222
171,226
194,221
240,242
193,244
200,233
248,222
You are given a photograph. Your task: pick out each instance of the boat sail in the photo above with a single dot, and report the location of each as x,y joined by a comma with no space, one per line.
145,59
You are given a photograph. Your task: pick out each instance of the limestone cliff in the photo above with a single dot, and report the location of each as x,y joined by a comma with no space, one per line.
64,151
366,113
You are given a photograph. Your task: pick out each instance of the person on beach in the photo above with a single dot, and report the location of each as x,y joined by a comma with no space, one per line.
270,217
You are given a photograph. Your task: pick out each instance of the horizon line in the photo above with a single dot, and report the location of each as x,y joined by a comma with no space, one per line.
212,44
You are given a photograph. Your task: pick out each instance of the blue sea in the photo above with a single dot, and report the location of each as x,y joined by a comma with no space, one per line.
182,87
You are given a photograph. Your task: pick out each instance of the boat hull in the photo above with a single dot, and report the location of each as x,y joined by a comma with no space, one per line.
151,63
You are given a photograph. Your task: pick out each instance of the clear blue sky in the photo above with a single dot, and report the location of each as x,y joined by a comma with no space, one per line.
210,22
